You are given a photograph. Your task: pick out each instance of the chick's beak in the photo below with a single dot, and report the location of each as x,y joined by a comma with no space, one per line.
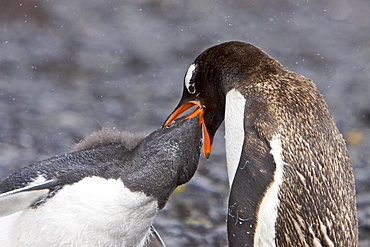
207,146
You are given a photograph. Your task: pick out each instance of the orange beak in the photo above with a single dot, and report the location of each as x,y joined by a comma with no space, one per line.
207,147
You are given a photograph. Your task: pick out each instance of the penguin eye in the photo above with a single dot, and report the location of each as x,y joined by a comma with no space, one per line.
188,80
191,88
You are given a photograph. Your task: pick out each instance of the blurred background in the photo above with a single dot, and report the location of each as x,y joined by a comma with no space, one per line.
69,67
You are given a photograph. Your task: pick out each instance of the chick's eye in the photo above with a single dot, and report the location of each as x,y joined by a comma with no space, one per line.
191,89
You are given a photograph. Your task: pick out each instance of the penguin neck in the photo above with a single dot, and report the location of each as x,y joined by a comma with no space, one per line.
234,130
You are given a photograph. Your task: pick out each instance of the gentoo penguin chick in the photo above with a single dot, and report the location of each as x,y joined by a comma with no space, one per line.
291,180
106,193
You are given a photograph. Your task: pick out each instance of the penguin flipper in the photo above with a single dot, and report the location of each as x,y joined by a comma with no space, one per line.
251,181
19,199
154,239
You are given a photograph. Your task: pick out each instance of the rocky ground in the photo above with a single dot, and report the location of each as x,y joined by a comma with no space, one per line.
69,67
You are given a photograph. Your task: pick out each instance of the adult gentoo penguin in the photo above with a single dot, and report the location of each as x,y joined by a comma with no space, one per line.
291,180
105,193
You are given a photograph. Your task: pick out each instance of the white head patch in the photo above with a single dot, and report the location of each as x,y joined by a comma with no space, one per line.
190,86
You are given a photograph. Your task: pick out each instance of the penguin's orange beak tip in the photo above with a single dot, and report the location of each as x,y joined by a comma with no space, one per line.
207,146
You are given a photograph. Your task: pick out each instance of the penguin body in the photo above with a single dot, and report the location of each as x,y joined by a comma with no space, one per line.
291,180
105,193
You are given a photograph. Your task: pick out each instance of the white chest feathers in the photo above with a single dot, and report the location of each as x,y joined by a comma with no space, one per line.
234,131
92,212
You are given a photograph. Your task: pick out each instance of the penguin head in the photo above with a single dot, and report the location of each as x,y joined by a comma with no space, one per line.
217,70
168,157
175,150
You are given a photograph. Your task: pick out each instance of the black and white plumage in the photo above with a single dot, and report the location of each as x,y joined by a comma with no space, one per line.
105,193
291,179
